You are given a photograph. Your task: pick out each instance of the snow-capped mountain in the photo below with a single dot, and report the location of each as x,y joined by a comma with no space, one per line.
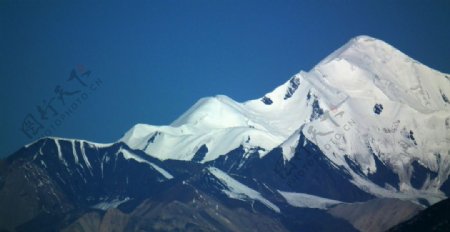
365,103
365,124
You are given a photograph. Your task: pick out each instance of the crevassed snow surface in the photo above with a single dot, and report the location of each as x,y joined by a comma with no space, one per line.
237,190
303,200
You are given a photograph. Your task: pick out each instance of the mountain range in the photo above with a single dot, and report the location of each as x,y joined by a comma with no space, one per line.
361,142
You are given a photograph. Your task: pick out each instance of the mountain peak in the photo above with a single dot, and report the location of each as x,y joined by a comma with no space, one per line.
370,68
355,83
364,39
363,47
213,112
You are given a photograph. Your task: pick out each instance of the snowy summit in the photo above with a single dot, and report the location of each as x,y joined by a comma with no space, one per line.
367,101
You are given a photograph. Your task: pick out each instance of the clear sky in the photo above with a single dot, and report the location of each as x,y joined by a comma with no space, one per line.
149,61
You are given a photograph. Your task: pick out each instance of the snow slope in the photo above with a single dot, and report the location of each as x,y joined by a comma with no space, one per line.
235,189
413,122
130,156
308,201
223,125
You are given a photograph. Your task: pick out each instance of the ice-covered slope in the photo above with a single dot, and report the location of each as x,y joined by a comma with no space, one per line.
396,112
365,106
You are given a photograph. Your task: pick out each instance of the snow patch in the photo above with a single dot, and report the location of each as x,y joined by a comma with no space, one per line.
58,147
303,200
105,205
237,190
83,154
74,152
128,155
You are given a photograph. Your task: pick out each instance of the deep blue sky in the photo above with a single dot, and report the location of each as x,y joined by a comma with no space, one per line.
157,58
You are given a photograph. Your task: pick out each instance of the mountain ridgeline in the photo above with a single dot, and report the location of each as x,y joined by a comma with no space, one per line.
361,142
